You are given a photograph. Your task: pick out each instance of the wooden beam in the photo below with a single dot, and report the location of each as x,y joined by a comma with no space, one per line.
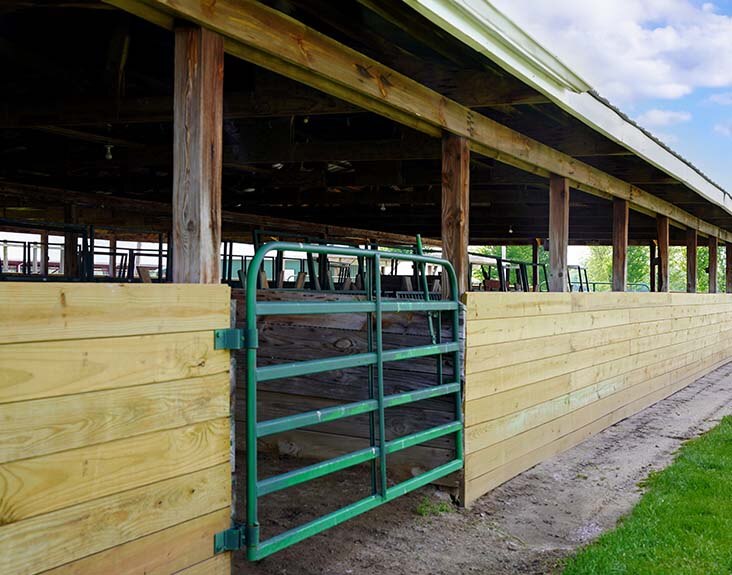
652,261
44,253
713,244
456,207
620,244
558,232
691,256
273,40
728,268
663,243
197,153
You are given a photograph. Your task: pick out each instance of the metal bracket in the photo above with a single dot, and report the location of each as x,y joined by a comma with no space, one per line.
235,338
232,539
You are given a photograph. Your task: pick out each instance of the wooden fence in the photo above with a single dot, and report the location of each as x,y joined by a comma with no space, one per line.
545,371
114,429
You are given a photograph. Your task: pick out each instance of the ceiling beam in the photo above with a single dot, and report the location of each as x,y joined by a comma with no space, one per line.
269,38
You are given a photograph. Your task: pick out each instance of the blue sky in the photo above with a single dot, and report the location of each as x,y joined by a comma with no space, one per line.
665,63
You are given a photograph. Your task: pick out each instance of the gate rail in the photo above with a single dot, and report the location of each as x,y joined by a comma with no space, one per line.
248,534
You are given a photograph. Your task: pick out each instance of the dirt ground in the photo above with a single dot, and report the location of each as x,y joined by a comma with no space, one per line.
525,526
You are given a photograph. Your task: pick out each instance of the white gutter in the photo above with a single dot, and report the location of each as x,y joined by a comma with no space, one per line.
480,25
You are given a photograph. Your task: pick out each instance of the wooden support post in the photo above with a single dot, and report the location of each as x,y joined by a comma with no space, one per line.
558,232
71,240
620,244
663,242
652,265
713,256
691,253
535,264
728,268
197,149
112,257
456,207
44,253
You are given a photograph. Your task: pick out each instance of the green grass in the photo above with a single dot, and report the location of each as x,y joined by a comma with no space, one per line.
683,523
427,507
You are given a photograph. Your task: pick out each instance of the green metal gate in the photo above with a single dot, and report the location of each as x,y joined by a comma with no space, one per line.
374,305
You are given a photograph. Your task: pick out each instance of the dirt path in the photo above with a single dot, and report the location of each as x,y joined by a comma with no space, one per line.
525,526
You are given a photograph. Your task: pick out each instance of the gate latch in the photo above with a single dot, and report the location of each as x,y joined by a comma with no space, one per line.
235,338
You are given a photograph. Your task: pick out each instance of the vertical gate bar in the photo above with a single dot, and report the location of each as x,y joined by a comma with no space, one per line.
456,364
366,279
380,373
252,535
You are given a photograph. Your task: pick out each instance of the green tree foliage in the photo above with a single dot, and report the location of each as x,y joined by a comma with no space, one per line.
599,264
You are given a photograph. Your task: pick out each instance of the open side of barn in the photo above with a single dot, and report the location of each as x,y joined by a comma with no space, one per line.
130,438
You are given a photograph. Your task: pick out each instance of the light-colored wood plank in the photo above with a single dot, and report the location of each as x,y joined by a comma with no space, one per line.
41,426
489,305
31,487
161,553
54,368
62,536
219,565
54,311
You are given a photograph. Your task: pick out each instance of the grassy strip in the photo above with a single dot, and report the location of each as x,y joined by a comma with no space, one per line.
682,525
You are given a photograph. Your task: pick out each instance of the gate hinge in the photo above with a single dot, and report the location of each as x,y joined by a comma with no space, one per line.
235,338
234,538
231,539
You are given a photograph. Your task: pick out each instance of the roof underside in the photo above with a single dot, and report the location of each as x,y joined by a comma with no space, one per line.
84,77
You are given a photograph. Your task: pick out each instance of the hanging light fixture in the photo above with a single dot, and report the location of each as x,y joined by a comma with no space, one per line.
108,153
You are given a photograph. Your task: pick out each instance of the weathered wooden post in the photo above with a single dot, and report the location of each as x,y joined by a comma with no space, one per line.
197,154
558,232
691,253
456,207
663,241
713,255
620,244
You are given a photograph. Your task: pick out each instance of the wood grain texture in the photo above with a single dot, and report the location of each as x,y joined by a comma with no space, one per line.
60,311
456,207
160,553
558,232
54,368
114,428
51,539
42,426
620,244
31,487
552,379
197,154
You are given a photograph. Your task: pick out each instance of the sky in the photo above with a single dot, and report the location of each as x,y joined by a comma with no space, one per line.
665,63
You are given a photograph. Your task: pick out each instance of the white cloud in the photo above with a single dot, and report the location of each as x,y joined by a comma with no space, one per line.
724,128
630,49
723,98
656,117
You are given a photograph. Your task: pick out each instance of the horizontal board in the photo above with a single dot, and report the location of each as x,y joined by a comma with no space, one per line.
52,539
160,553
541,375
474,488
55,368
31,487
219,565
41,426
55,311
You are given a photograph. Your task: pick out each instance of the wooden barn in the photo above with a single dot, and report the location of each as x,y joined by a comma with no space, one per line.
149,411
